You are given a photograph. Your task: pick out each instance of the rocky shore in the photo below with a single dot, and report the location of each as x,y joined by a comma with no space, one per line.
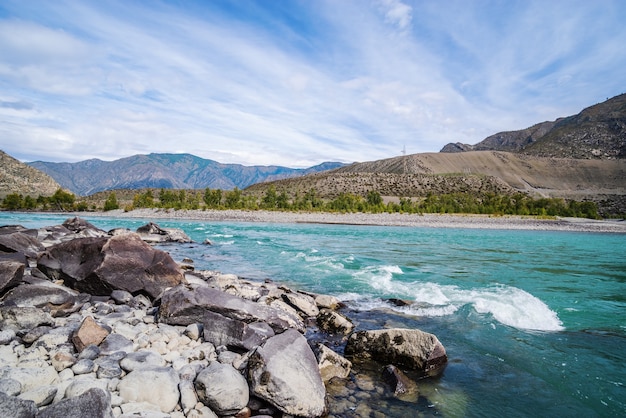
100,324
384,219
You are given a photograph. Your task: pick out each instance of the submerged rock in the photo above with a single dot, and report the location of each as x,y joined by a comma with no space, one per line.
410,348
402,386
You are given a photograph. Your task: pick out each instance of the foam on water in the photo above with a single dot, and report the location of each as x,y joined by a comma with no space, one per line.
506,304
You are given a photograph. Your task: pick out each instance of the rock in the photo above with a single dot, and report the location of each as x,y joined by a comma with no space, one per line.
108,368
21,242
62,360
188,397
410,348
222,388
41,395
284,372
100,265
327,301
30,377
23,318
121,297
194,331
153,233
93,403
184,305
11,273
89,333
403,388
82,384
221,330
6,336
334,322
10,386
114,343
56,299
14,407
83,228
332,364
141,359
305,304
90,352
83,366
162,389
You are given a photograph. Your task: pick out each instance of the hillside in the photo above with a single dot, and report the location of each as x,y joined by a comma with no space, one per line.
597,132
17,177
170,171
603,181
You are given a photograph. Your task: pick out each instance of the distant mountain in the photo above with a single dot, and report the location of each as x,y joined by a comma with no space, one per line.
597,132
170,171
17,177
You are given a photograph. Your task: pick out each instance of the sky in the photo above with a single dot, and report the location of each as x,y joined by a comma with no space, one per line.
295,83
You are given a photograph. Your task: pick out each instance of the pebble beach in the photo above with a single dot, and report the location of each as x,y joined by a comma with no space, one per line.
383,219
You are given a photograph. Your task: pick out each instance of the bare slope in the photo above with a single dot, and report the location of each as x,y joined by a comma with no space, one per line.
17,177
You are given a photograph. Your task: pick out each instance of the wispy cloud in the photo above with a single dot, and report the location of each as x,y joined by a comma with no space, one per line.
295,83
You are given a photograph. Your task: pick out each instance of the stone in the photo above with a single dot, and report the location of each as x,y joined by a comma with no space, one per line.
184,305
21,242
6,336
188,397
115,342
327,301
284,372
82,384
62,360
89,333
83,366
11,273
90,352
222,388
10,386
30,377
141,359
23,318
14,407
221,330
402,386
102,264
194,331
35,333
162,389
56,299
41,395
82,227
332,364
108,368
153,233
121,296
93,403
410,348
334,322
305,304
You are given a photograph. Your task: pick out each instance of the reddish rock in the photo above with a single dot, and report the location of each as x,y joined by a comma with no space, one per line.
89,333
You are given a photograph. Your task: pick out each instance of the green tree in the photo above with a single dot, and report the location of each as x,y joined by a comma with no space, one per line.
111,202
270,198
62,200
233,199
13,201
212,198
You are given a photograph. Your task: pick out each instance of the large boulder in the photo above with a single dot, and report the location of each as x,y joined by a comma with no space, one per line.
331,364
11,270
410,348
56,299
17,239
83,228
221,330
102,264
222,388
285,373
93,403
153,233
184,305
155,385
334,322
14,407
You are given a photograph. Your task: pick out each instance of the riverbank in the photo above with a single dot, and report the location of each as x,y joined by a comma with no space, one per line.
382,219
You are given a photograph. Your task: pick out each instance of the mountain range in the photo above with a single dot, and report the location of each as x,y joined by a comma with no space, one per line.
169,171
17,177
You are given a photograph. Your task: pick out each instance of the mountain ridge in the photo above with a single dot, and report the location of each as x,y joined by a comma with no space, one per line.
164,170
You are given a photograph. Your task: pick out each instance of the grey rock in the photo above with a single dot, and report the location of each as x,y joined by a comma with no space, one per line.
42,395
402,386
162,389
10,386
34,334
108,368
83,366
153,233
222,388
6,336
30,377
82,384
410,348
121,296
100,265
93,403
194,331
334,322
11,273
23,318
14,407
285,373
58,300
91,352
304,304
21,242
221,330
115,342
141,359
184,305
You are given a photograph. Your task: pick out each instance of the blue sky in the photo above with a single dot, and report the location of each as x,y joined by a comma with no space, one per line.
295,83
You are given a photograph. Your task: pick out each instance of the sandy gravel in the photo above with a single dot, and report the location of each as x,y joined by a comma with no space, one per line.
387,219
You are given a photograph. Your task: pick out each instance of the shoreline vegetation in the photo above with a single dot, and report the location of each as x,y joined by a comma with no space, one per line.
471,221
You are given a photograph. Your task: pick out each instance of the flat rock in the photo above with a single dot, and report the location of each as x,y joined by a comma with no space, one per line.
221,330
410,348
30,377
15,407
304,304
115,342
332,364
222,388
89,333
285,373
141,359
41,395
58,300
20,318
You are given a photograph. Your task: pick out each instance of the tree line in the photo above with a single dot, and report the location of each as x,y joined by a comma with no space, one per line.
488,203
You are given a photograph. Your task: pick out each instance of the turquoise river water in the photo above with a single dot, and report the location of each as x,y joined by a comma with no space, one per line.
534,322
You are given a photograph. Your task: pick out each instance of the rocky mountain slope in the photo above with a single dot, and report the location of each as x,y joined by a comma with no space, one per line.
603,181
17,177
170,171
597,132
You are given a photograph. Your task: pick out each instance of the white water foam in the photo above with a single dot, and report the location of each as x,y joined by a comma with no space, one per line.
506,304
